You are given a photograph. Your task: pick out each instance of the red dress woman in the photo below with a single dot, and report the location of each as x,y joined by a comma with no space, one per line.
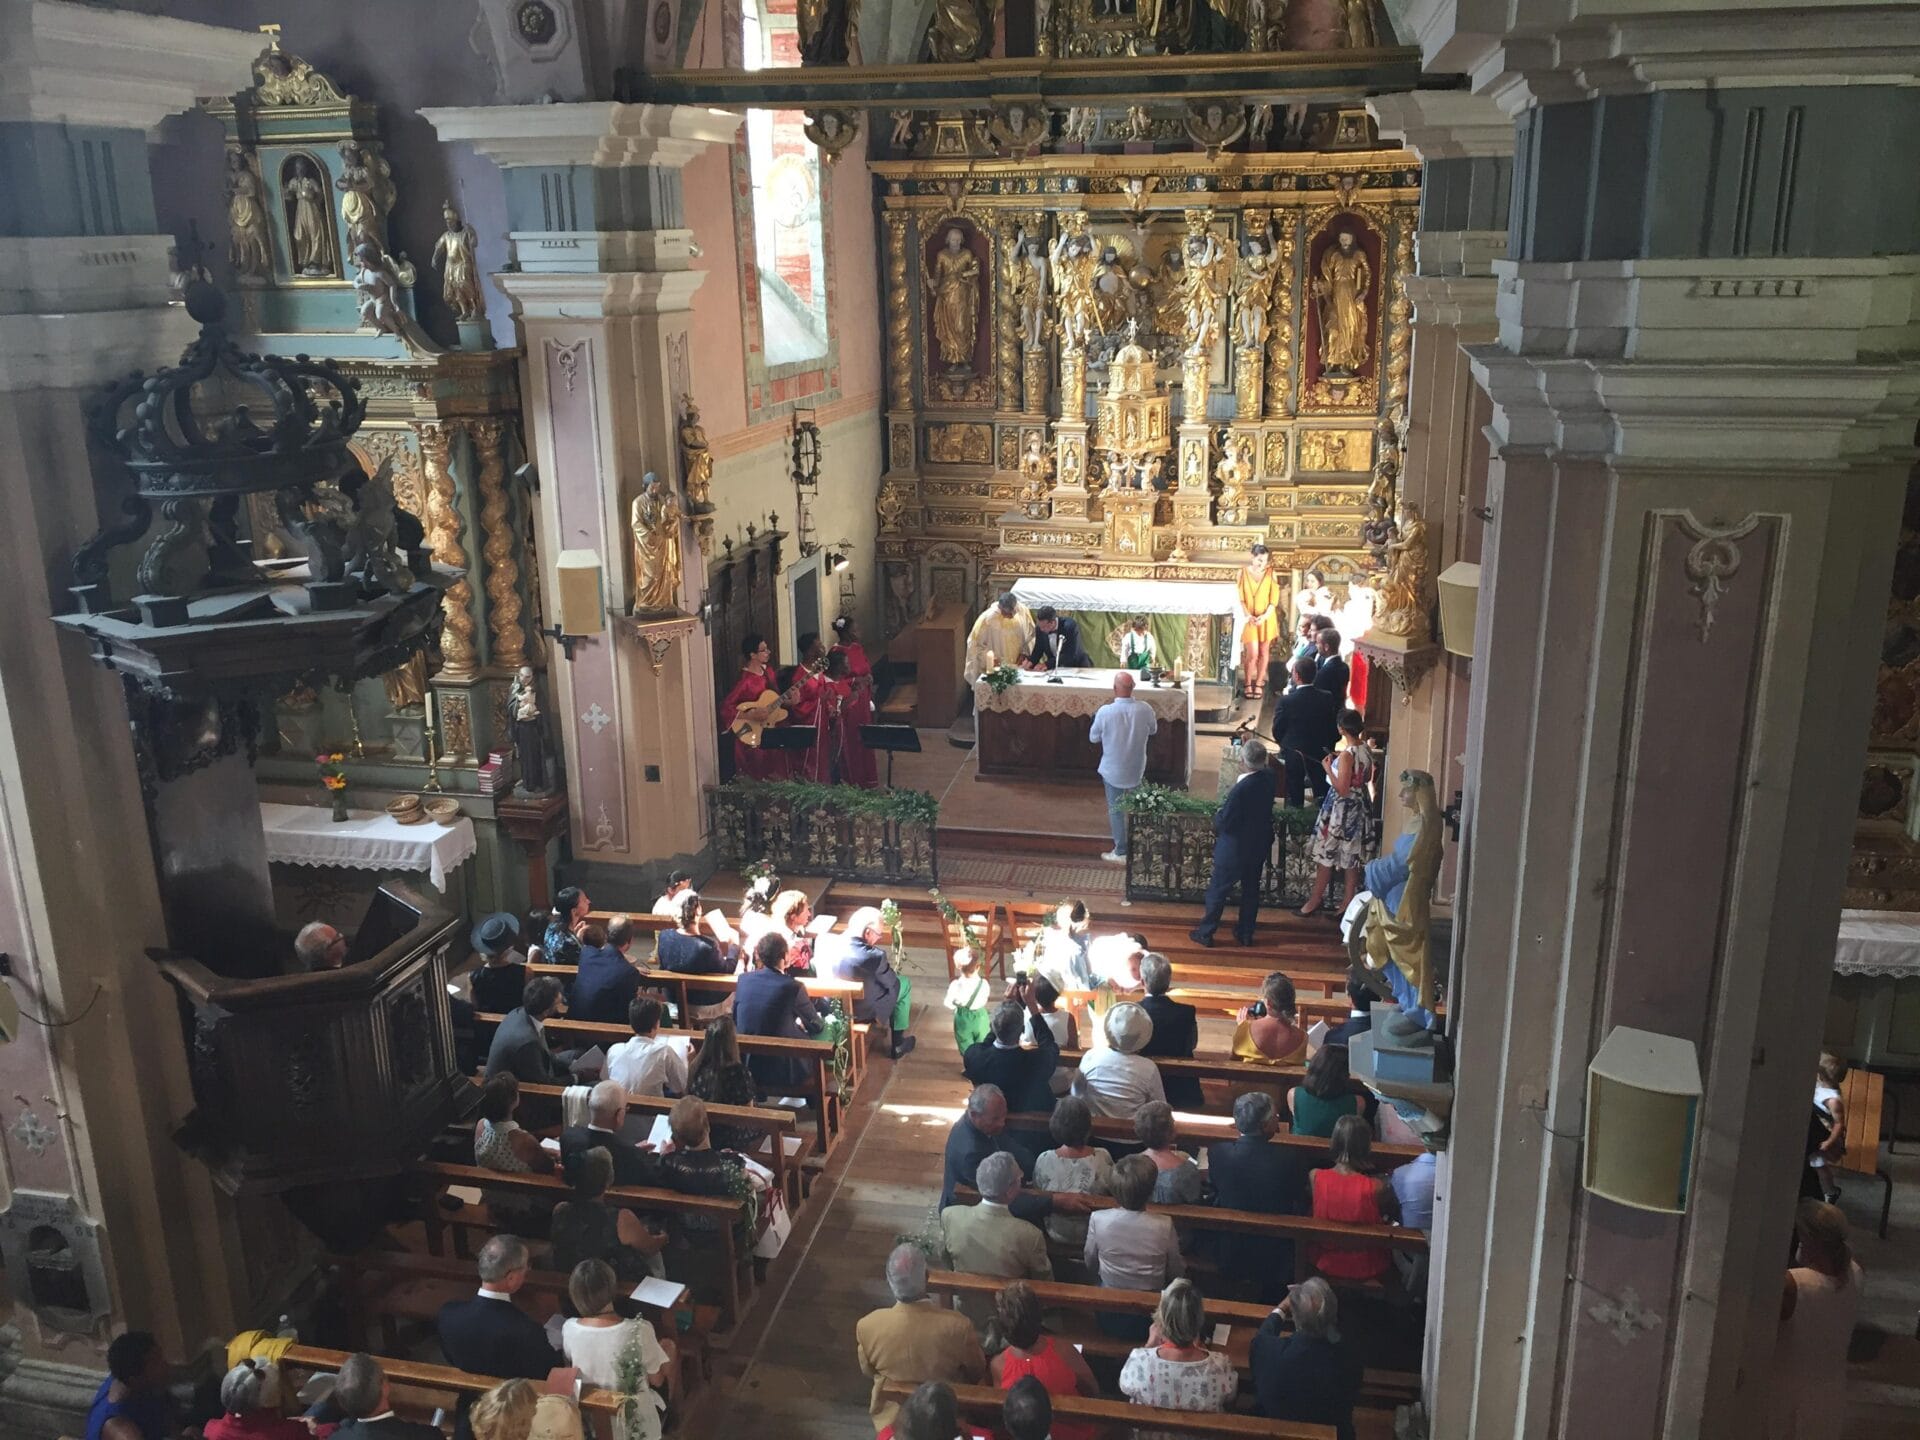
755,680
857,765
814,704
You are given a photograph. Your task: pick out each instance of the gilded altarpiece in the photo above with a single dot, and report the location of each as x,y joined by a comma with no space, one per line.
1262,291
310,192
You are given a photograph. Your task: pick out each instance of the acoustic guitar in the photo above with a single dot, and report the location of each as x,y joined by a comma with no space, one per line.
754,717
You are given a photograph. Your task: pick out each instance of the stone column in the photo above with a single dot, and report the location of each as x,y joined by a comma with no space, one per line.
88,1109
1703,397
603,291
1465,143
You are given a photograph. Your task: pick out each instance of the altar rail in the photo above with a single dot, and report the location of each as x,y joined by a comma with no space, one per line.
837,830
1170,855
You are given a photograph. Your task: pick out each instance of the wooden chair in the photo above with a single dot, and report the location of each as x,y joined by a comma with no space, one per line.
1865,1095
984,916
1025,919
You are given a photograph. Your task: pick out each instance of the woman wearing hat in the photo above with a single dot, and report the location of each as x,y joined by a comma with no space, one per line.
502,976
1116,1079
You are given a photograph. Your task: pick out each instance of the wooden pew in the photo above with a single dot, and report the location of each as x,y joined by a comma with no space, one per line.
816,1055
786,1160
1380,1387
727,1211
1199,1130
390,1285
599,1410
676,986
982,1405
1865,1095
1303,1228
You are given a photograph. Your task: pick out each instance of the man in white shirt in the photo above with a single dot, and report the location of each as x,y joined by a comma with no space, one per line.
667,907
1116,1079
647,1064
1121,728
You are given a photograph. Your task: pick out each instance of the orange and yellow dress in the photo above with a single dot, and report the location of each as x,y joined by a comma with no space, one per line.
1257,597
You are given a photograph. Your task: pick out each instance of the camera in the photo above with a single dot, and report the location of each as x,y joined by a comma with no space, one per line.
1256,1010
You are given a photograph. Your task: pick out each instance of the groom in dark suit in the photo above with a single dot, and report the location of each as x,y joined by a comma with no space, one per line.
1242,836
1056,642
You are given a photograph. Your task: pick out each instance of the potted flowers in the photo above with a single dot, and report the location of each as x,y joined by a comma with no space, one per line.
333,776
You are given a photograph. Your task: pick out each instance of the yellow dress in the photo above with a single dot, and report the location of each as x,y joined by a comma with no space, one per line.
1257,597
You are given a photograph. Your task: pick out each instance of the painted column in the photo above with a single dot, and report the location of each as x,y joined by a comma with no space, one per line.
87,1108
1465,144
602,292
1702,402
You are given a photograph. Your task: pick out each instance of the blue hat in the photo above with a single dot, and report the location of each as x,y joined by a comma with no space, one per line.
495,933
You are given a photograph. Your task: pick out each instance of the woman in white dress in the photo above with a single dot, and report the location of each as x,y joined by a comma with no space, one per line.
1817,1312
615,1354
1174,1370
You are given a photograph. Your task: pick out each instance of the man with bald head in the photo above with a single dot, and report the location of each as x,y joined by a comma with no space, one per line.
982,1131
914,1340
1121,728
606,1114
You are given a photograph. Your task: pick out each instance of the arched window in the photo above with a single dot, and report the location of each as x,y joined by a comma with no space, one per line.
785,251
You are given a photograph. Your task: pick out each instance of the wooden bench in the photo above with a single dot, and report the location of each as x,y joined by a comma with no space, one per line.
1381,1387
982,1404
815,1055
1198,1130
819,987
599,1409
1302,1228
392,1285
1865,1096
724,1211
785,1150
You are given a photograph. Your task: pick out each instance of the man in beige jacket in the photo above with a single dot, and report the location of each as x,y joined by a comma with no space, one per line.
914,1340
988,1238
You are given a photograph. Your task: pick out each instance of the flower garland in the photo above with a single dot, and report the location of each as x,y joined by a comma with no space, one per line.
969,936
838,1032
917,807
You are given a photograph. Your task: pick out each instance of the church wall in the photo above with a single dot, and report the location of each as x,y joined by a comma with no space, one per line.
751,460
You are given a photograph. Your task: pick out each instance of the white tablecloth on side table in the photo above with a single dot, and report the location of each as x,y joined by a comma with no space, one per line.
1083,691
371,840
1878,942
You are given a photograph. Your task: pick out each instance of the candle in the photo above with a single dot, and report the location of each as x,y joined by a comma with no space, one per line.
429,699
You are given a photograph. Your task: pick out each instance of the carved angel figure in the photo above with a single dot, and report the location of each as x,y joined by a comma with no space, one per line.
1074,270
1403,591
655,523
248,249
365,187
1253,281
696,459
1200,290
372,533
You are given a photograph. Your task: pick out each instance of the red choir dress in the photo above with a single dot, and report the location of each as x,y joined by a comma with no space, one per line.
812,707
750,760
1358,673
857,763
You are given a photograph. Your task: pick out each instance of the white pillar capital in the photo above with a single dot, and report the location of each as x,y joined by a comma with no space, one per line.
600,133
575,296
1444,124
94,65
1559,50
1456,301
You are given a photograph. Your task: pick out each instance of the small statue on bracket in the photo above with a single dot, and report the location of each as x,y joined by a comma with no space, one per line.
529,736
696,459
459,275
656,548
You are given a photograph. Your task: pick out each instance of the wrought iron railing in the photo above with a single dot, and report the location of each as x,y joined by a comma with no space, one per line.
837,830
1170,856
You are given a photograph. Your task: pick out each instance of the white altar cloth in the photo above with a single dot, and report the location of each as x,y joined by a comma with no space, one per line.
1081,692
1147,597
1878,942
371,840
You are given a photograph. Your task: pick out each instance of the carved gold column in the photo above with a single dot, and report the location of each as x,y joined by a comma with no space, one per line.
1070,458
1249,360
444,531
1280,328
497,546
1008,332
1399,323
899,316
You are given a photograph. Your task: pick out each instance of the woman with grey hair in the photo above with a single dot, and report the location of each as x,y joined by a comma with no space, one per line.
1174,1370
1177,1181
250,1406
1306,1373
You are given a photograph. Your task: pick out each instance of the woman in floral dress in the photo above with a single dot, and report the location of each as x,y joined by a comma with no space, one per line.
1340,835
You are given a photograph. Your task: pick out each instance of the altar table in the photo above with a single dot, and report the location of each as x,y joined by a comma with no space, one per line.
371,840
1040,730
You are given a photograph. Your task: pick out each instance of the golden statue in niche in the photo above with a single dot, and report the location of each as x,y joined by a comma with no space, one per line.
1340,292
656,548
696,459
247,248
954,279
957,33
309,222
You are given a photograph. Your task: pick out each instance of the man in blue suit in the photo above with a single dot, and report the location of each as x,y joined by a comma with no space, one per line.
768,1001
1243,834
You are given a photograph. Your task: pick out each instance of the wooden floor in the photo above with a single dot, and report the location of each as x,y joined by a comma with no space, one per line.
792,1371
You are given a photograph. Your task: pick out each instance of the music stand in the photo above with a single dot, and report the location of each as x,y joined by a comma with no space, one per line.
791,737
890,738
